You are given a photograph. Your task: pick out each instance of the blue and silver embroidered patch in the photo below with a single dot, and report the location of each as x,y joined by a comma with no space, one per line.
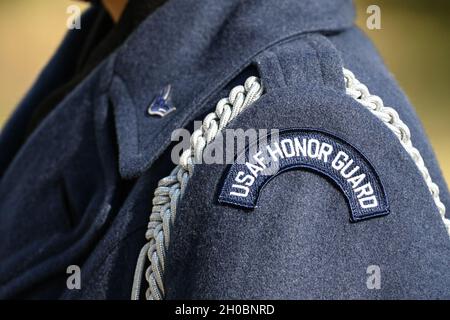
162,104
311,149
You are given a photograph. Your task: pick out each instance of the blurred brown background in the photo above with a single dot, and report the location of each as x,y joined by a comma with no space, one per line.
414,41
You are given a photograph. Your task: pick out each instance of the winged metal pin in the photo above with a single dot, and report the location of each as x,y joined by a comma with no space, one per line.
162,104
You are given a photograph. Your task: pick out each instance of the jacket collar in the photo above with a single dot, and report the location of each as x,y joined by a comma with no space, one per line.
197,47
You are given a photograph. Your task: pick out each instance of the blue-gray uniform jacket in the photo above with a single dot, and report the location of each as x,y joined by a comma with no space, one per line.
351,212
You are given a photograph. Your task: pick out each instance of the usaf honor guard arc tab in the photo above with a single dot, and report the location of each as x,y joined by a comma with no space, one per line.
315,150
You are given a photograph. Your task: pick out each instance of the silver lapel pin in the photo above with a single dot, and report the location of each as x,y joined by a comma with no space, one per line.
162,104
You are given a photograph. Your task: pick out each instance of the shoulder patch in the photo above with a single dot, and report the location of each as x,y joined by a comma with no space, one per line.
312,149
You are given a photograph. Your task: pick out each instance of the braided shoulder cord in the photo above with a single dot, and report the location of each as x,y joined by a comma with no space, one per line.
171,188
391,119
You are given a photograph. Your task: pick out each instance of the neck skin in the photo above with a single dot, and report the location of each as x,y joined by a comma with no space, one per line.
115,8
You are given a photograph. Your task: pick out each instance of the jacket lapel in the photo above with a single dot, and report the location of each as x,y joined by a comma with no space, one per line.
196,47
